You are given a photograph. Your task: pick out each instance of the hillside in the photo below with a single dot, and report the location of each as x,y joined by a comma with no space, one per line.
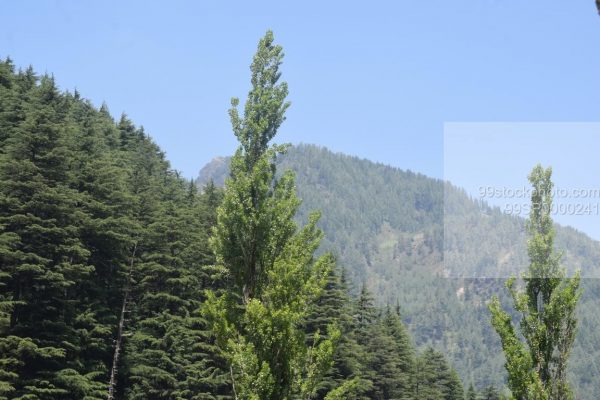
102,246
440,254
107,272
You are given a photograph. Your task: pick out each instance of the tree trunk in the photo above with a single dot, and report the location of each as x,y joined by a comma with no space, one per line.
112,384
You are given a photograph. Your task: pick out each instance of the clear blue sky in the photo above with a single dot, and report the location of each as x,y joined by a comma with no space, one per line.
374,79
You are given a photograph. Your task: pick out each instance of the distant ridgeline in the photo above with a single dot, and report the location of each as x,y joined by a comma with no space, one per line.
441,255
105,258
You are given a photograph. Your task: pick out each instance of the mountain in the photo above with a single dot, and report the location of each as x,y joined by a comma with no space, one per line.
426,244
216,170
107,275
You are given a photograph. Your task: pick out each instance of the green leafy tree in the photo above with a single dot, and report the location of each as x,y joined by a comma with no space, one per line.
537,367
395,243
274,275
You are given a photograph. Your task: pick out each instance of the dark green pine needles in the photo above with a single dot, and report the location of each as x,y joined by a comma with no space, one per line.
79,192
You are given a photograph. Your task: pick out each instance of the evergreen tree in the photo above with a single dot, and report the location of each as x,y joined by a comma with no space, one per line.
490,393
537,367
426,377
78,194
108,282
41,226
274,274
404,354
435,380
386,353
366,314
455,387
333,308
380,363
11,111
471,393
169,354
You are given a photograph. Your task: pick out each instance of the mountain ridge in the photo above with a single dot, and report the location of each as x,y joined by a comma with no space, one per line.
431,247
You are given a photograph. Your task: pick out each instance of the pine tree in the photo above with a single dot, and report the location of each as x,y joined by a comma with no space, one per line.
426,377
346,361
455,387
332,308
471,393
168,354
388,359
490,393
335,306
366,314
404,352
382,364
11,106
47,260
537,367
165,349
89,211
435,380
274,274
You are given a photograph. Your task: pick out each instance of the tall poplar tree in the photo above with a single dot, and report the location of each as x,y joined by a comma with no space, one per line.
537,367
274,275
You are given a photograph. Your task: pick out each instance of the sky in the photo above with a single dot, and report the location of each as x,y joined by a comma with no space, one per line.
377,79
491,161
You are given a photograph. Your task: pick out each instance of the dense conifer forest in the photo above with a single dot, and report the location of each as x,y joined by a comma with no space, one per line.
104,246
436,251
120,279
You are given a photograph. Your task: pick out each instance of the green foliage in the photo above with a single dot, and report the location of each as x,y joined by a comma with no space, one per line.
269,260
93,220
346,391
385,227
334,308
537,367
490,393
401,383
435,380
471,393
44,257
78,192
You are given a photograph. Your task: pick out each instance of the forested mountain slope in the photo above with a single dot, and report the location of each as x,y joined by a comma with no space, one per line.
105,262
102,246
425,244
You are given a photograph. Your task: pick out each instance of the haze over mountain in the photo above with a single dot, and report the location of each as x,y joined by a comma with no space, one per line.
427,245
